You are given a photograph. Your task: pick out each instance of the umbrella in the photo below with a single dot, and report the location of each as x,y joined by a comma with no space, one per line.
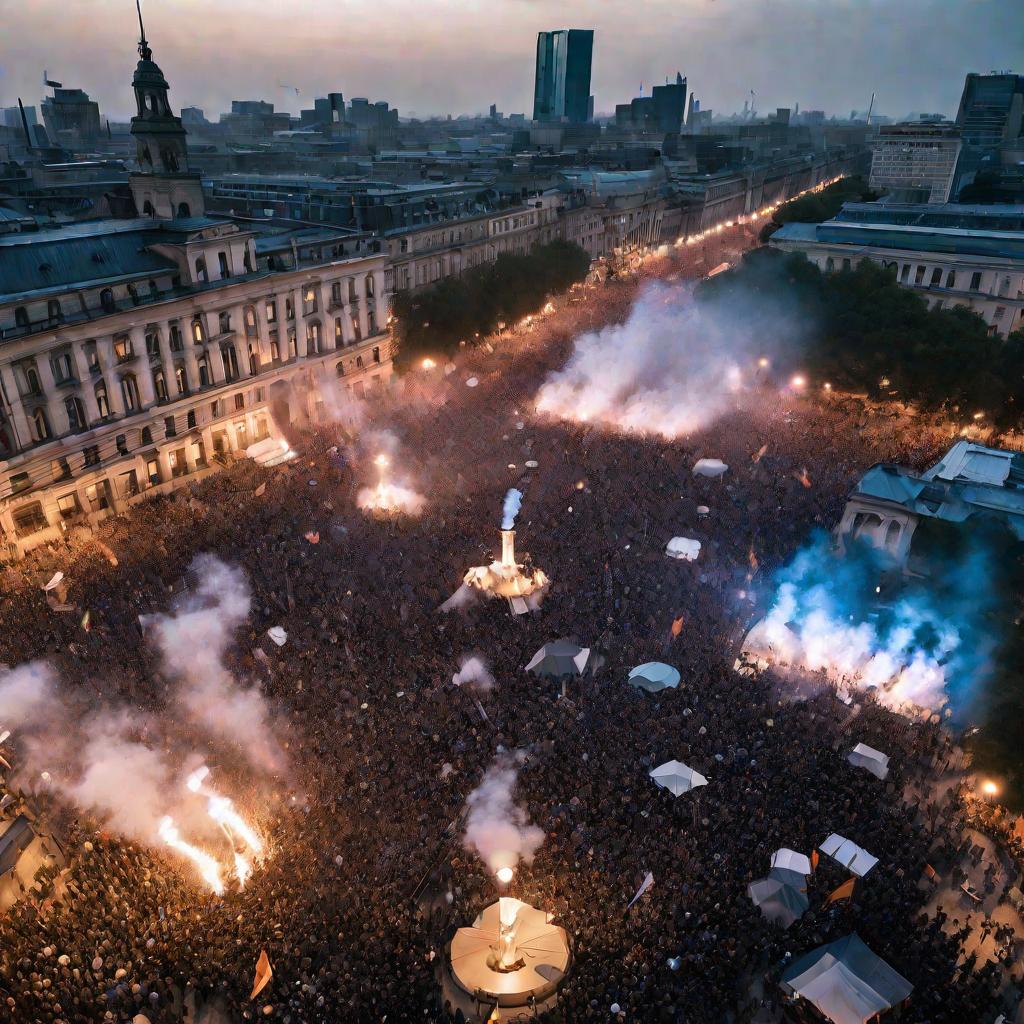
853,857
654,676
867,757
677,777
683,548
559,658
790,867
778,902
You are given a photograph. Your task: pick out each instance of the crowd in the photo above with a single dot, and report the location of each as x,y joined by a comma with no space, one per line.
383,748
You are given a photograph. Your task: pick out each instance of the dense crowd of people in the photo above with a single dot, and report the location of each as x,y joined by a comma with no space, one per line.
383,749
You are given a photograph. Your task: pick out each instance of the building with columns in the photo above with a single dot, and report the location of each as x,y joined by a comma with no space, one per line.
133,352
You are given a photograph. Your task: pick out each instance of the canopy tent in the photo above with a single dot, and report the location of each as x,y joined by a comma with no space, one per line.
863,756
790,867
778,901
709,467
853,857
677,777
845,981
559,658
654,676
683,548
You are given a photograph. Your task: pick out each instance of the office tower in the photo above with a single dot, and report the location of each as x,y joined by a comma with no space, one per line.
562,81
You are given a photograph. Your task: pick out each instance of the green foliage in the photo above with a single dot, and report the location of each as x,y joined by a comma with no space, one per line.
862,327
433,321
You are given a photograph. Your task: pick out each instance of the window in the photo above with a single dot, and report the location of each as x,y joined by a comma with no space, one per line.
107,300
160,386
340,368
357,330
130,393
201,275
96,495
369,285
339,334
224,323
198,334
21,317
951,279
309,301
359,362
133,294
275,350
67,506
53,311
335,292
846,263
905,273
254,360
153,472
152,344
190,420
261,394
239,401
313,339
61,469
32,380
176,342
183,210
271,312
376,353
289,309
29,519
222,260
230,358
170,430
42,425
147,209
371,323
75,413
146,437
128,484
976,281
122,444
250,320
180,379
936,278
999,313
123,350
92,357
352,297
92,455
20,482
62,371
292,350
919,275
830,265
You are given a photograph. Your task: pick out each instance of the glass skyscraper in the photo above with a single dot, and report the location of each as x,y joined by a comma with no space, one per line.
562,83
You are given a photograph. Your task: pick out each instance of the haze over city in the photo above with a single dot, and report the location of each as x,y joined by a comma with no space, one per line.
457,56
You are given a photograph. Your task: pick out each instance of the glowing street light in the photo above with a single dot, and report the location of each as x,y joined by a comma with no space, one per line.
989,788
798,382
428,363
504,875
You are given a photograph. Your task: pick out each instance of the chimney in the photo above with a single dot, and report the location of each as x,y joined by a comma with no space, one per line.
508,547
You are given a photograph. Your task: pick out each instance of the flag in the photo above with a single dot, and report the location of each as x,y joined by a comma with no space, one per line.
677,626
760,453
644,886
495,1015
931,873
814,860
264,972
844,892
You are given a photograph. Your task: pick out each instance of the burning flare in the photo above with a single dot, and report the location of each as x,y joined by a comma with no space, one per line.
208,867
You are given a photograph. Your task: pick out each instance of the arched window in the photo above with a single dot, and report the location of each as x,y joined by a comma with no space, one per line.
224,322
230,358
180,379
198,335
147,209
160,385
204,372
254,360
21,317
42,425
892,534
102,401
133,294
359,362
830,265
250,320
175,338
201,274
340,368
369,285
222,260
75,413
146,437
53,311
184,210
152,287
107,300
32,380
313,338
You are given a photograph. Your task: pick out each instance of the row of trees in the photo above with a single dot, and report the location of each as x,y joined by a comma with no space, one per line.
433,321
816,207
861,331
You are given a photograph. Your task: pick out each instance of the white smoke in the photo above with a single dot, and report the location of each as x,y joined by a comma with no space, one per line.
474,671
673,367
513,501
390,497
497,828
25,691
193,639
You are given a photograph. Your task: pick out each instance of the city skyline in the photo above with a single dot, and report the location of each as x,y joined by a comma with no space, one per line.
405,53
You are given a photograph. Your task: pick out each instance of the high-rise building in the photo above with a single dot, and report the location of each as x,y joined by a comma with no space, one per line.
562,80
991,110
915,162
70,114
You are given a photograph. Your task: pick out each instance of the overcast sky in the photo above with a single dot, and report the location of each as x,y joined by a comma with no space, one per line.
430,56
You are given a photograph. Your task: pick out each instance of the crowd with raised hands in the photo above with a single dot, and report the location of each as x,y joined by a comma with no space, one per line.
383,749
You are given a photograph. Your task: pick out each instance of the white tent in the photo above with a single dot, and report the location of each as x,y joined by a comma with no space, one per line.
853,857
677,778
873,760
683,548
654,676
790,860
709,467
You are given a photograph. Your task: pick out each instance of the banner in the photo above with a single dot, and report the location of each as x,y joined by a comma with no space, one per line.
644,886
264,973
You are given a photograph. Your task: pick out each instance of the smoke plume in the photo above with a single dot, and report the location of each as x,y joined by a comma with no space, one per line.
475,672
497,828
513,501
193,639
25,691
673,367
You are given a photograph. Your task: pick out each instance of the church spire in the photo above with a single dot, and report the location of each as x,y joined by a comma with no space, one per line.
144,51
